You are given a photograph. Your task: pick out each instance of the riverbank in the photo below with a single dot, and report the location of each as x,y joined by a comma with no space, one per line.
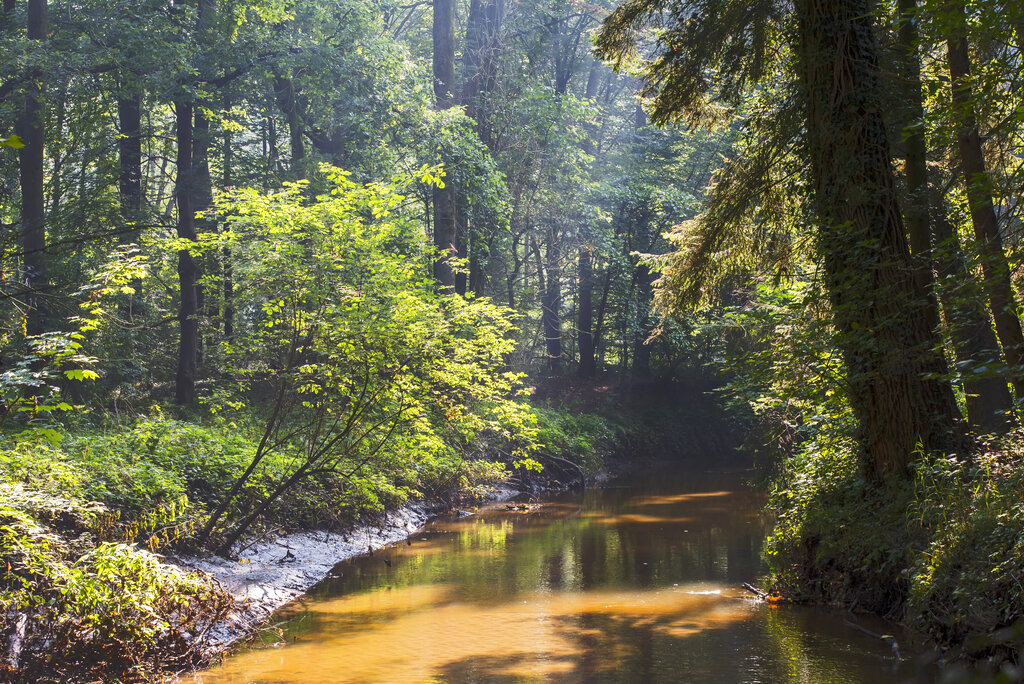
268,574
99,525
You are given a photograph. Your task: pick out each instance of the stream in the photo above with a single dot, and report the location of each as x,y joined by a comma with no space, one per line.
636,581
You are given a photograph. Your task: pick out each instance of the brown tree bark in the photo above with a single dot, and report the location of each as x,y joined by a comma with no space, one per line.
988,400
31,171
287,100
227,266
878,305
129,153
996,272
989,405
585,319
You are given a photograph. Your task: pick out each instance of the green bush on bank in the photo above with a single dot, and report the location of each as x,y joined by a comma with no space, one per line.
944,551
584,440
115,611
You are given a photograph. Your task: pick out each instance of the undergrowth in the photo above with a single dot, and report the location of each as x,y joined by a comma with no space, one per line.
943,550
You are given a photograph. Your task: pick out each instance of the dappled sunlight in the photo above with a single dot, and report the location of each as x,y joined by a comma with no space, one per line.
622,585
666,500
639,518
534,635
384,602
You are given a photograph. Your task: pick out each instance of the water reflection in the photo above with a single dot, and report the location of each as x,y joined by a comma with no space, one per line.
627,584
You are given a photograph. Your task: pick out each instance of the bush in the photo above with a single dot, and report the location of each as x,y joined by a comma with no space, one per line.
116,612
944,551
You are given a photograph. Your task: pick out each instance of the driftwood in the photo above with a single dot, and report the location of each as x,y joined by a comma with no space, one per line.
755,591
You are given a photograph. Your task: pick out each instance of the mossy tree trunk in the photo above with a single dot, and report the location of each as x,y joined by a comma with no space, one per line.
879,307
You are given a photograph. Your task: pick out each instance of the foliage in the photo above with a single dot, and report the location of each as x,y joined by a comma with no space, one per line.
117,612
364,361
582,439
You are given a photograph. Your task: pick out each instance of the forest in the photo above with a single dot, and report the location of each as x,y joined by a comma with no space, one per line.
270,267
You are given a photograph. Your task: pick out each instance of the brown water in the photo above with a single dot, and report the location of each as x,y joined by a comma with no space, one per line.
635,582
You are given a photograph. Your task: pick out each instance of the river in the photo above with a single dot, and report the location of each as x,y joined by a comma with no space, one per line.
637,581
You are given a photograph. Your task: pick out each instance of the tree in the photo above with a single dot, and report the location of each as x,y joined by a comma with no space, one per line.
979,197
878,307
33,211
367,360
444,97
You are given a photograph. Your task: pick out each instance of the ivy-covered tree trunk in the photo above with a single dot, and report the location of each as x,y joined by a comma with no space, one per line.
31,170
995,270
188,271
444,89
879,308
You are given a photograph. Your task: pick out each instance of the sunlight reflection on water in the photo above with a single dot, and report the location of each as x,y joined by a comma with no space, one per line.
631,584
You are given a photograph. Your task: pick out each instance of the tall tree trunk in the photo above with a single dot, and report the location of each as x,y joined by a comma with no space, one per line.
288,101
878,305
226,265
188,271
989,405
444,89
645,324
551,304
202,193
31,165
988,400
585,319
979,197
129,148
129,153
585,322
602,307
6,17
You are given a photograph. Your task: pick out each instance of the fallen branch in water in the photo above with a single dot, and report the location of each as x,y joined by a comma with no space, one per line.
755,591
884,637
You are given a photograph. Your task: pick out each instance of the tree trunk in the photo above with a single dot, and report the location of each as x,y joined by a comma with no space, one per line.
129,147
588,359
188,271
551,304
129,153
879,308
645,325
444,89
288,101
585,318
979,198
226,265
31,171
989,405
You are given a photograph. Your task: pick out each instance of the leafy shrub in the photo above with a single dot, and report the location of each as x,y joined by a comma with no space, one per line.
116,612
581,439
944,551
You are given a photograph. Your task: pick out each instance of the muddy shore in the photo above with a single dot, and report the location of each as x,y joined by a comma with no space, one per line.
268,574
